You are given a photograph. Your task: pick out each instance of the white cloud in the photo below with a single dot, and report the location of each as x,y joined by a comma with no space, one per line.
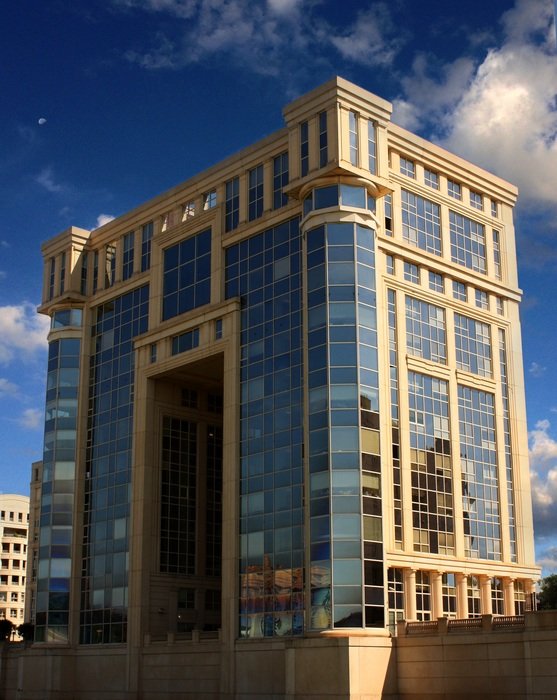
501,113
22,331
537,370
46,179
103,219
271,38
2,274
7,388
543,466
31,418
371,40
4,244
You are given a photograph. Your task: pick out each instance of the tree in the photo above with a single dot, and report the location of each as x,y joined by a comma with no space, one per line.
26,631
548,593
6,628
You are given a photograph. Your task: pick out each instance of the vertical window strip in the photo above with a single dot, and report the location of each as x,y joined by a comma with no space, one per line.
62,272
128,255
353,138
95,271
304,148
84,270
509,468
51,278
232,204
480,486
372,146
323,138
255,193
146,243
280,180
431,465
110,265
496,254
393,364
388,205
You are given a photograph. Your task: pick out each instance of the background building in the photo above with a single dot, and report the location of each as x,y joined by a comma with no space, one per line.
33,541
14,522
285,401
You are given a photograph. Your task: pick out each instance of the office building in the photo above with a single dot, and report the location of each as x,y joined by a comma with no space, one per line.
285,400
14,522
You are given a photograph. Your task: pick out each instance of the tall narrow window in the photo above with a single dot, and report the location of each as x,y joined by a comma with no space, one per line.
372,147
110,265
304,148
62,272
232,204
51,278
353,134
95,271
146,238
323,152
255,193
83,282
127,255
388,214
496,255
280,180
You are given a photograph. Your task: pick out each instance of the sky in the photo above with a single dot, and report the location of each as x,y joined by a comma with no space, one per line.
107,103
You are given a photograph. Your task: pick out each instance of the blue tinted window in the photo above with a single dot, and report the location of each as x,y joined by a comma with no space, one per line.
187,275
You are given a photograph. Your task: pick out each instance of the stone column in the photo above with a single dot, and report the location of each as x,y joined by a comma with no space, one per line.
461,596
410,594
508,589
485,594
436,579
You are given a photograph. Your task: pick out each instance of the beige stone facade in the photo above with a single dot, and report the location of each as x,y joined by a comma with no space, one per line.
14,517
285,409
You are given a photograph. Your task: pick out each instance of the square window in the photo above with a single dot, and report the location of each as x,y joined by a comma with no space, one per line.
436,282
209,200
476,200
431,178
411,273
454,189
407,167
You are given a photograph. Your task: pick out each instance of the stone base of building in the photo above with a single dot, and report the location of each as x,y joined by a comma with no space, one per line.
443,662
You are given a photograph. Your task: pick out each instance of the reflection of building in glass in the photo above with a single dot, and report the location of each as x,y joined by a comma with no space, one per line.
293,402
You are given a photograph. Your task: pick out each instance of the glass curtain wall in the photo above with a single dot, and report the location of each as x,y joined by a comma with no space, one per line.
264,271
346,574
57,498
104,587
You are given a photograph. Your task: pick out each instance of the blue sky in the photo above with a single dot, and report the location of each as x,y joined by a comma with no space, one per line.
106,103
